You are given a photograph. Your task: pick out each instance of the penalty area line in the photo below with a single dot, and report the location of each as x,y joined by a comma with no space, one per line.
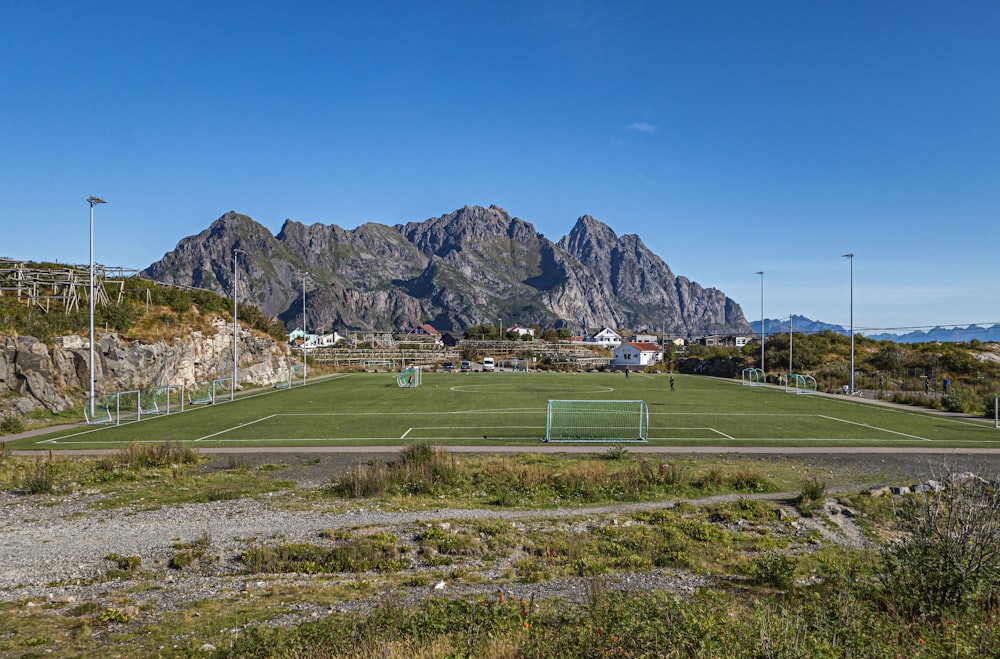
242,425
868,425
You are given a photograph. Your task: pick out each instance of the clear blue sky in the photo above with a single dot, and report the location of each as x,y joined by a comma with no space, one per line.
732,137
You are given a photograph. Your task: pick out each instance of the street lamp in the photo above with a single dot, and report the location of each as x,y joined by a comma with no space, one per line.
92,200
850,256
235,324
761,273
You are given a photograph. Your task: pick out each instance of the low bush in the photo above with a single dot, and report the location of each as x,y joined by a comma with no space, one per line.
11,425
774,569
38,478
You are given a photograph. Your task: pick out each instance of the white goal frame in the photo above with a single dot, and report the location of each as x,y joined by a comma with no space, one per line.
581,421
409,378
754,377
800,384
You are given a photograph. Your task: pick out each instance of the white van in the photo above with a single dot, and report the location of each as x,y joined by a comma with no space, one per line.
488,363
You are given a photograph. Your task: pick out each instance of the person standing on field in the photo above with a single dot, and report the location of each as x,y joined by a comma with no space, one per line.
671,383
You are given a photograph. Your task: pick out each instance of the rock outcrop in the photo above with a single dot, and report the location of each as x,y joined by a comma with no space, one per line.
35,376
465,268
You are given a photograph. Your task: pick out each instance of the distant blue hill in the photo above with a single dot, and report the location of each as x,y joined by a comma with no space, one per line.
950,334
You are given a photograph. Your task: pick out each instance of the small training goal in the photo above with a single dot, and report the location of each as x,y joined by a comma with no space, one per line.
596,421
409,377
754,377
800,384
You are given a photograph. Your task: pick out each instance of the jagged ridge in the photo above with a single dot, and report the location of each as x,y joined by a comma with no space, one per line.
468,267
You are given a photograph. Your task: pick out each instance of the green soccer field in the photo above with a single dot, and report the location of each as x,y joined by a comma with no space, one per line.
366,409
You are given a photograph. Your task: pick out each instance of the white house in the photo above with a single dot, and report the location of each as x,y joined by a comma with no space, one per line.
607,337
521,331
636,354
323,340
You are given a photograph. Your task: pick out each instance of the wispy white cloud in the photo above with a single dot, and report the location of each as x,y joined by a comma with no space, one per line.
640,127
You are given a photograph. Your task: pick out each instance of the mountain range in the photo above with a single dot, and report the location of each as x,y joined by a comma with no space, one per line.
473,266
942,334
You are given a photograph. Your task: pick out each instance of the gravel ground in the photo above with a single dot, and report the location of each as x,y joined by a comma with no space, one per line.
55,548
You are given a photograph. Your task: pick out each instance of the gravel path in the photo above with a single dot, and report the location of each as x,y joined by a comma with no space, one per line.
42,544
55,548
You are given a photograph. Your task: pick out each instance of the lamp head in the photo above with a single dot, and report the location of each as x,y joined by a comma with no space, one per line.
95,200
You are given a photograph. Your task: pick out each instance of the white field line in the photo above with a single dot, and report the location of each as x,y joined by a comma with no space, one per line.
914,412
188,408
242,425
403,436
487,388
506,410
867,425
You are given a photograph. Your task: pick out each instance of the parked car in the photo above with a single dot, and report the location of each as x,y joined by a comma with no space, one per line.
465,365
488,363
448,366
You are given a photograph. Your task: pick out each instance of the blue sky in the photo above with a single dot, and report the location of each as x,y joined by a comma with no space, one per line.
732,137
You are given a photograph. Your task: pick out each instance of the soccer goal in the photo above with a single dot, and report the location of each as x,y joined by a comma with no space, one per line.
800,384
200,393
409,378
222,389
165,399
294,375
97,410
754,377
596,421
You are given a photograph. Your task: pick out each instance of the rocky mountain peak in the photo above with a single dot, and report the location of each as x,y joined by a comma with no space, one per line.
463,268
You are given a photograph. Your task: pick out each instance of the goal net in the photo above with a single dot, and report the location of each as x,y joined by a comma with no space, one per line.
800,384
409,378
596,421
164,399
753,377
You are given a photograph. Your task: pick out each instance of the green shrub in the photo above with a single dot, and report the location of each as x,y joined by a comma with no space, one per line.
774,569
964,401
949,559
417,454
11,425
38,478
813,492
184,558
616,452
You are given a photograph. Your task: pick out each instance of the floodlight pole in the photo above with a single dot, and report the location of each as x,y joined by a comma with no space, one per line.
790,316
305,366
92,200
850,256
235,322
761,273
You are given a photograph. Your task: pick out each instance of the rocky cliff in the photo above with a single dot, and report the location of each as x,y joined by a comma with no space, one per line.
465,268
34,375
